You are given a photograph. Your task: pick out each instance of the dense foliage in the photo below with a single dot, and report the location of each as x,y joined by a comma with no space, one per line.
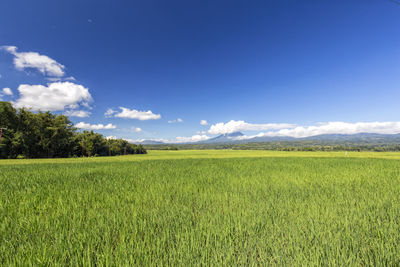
46,135
262,208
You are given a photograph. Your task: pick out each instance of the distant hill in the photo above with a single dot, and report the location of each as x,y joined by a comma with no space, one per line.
234,138
223,138
336,138
148,142
355,137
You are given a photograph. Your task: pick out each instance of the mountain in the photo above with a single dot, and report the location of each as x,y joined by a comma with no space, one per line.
270,139
354,137
333,138
148,142
232,138
223,138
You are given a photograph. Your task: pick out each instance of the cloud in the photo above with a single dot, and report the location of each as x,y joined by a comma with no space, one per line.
237,126
194,138
88,126
58,79
33,60
203,122
136,114
7,91
338,128
177,140
53,97
134,141
291,131
77,113
9,48
136,129
113,137
179,120
109,113
139,141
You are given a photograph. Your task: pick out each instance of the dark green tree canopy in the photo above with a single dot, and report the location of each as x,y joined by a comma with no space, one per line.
47,135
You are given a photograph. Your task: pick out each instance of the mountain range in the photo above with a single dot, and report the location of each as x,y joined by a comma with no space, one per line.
234,138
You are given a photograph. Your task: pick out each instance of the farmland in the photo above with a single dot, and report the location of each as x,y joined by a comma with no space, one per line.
202,207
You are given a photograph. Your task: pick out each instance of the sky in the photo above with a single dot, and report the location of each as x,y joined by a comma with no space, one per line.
191,70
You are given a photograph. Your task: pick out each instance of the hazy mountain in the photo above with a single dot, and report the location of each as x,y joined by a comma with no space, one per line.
334,138
148,142
361,137
270,139
223,138
354,137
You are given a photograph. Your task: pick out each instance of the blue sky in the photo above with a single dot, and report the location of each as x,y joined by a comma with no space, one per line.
256,66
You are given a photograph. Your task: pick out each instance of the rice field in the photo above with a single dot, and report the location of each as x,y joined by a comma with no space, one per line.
202,208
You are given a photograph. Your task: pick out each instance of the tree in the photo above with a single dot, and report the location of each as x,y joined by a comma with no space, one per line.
48,135
8,120
91,144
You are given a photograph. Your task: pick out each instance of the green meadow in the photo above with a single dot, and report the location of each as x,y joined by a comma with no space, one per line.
205,207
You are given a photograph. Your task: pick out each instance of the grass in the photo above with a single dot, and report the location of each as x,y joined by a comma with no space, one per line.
202,208
207,154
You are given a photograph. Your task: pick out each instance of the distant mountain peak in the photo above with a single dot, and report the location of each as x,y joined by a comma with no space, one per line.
234,134
223,138
148,142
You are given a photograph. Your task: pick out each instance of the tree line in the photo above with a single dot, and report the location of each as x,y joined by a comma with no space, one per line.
25,134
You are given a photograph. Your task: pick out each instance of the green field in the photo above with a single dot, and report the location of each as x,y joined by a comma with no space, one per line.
202,208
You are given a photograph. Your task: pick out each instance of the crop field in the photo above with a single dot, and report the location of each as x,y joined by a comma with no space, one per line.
202,208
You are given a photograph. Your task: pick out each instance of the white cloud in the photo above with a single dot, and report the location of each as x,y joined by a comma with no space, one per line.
53,79
177,140
111,137
9,48
136,114
306,131
136,129
133,141
44,64
88,126
7,91
77,113
237,126
338,128
179,120
139,141
194,138
58,79
53,97
203,122
109,113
